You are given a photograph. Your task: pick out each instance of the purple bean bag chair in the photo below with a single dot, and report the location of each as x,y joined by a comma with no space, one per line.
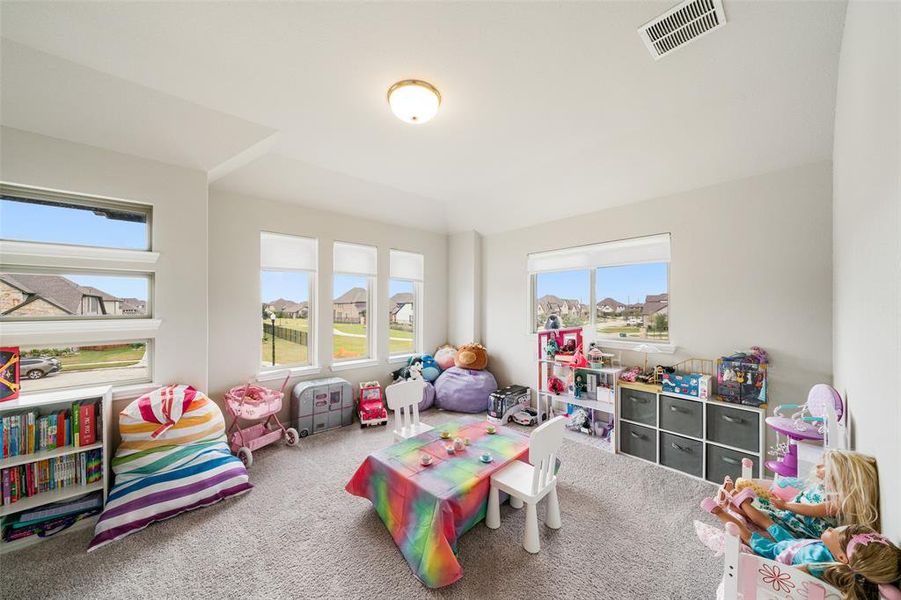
464,390
428,396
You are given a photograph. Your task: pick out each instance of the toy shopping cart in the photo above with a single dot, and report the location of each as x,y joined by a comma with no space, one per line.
253,402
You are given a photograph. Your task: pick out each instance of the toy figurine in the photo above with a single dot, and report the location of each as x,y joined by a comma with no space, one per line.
553,322
551,348
577,388
579,359
555,385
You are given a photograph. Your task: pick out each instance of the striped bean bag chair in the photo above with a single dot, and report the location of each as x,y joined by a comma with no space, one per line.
173,458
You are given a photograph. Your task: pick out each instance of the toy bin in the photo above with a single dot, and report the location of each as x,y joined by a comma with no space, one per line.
688,384
321,404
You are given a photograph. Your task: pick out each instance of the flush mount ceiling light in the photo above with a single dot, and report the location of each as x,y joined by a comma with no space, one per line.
414,101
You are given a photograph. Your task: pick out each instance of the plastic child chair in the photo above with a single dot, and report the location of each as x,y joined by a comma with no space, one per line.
404,398
530,482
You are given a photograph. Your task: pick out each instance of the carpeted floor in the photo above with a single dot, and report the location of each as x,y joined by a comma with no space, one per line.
627,533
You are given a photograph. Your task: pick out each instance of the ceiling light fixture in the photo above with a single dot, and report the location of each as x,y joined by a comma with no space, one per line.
414,101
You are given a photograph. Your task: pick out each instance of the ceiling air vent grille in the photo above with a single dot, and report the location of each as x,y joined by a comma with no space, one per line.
680,25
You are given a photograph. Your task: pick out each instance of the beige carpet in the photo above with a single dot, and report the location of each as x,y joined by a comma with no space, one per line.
627,533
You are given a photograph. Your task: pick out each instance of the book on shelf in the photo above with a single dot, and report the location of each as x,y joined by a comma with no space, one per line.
51,518
31,431
50,474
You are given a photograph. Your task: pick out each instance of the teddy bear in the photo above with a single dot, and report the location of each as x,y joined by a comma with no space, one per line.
472,356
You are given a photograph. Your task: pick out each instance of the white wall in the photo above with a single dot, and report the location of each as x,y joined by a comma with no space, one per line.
179,199
751,265
867,240
464,287
234,271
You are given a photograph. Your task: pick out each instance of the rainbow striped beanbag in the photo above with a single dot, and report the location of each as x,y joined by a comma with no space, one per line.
173,458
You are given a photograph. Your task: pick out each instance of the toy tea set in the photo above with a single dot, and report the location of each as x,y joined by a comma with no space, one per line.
458,445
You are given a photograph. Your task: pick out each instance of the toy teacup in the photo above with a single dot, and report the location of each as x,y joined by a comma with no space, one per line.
486,458
491,429
445,435
450,449
425,459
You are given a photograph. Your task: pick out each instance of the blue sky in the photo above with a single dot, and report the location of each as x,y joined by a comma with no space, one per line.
37,223
628,284
123,287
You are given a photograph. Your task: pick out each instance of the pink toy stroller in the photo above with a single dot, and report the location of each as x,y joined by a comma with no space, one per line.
253,402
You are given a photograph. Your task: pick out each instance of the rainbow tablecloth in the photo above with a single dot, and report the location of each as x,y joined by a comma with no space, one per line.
427,509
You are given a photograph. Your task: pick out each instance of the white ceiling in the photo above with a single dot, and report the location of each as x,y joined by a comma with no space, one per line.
549,109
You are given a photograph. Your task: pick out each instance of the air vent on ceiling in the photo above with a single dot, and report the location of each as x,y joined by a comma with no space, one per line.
680,25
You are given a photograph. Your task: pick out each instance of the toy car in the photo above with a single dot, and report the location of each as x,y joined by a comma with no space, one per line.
507,401
528,416
371,409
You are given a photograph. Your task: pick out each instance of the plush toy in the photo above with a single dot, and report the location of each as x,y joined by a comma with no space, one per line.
553,322
444,356
412,370
555,385
472,356
430,368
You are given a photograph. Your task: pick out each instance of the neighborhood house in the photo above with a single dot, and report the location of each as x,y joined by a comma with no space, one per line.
27,295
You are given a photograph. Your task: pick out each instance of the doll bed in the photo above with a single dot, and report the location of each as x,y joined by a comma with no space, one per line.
173,458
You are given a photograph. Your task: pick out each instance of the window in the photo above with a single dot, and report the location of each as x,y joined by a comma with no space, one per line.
35,216
31,295
404,305
633,301
52,367
288,266
353,286
627,283
76,325
565,294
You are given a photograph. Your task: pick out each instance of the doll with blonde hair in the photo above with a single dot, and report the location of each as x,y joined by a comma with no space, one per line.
844,491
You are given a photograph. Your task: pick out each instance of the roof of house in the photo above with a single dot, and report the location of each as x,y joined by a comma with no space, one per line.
353,296
292,307
59,291
611,302
651,308
657,298
133,304
404,297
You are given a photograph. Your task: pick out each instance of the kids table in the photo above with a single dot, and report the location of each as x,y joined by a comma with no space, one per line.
427,508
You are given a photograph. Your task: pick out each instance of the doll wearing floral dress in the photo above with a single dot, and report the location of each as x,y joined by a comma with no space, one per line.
844,491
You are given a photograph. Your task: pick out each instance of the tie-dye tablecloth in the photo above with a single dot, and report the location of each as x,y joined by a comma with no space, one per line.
427,509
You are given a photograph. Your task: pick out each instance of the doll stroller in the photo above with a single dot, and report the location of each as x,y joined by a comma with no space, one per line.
253,402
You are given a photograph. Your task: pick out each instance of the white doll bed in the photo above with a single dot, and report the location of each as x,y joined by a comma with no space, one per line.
747,576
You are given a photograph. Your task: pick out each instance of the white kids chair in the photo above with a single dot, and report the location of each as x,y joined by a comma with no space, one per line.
404,398
530,483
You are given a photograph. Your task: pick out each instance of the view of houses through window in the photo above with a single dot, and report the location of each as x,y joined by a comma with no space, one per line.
44,368
630,301
286,318
402,317
350,317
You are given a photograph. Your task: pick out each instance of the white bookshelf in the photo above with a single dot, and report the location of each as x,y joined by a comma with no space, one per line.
47,402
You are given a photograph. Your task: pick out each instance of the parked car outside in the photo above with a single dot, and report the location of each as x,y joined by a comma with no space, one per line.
40,366
633,321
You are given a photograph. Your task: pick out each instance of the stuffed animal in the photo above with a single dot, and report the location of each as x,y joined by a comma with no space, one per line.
413,366
430,368
472,356
553,322
444,356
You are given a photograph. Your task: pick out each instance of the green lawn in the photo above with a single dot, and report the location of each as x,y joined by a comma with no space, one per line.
96,359
343,347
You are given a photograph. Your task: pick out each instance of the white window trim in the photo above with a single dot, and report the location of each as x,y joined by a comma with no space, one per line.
371,326
32,253
417,321
356,363
312,363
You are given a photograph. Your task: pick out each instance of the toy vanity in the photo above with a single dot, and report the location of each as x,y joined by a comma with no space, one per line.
802,436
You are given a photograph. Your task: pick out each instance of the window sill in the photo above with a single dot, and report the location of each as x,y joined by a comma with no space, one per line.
354,364
667,348
402,358
273,373
21,331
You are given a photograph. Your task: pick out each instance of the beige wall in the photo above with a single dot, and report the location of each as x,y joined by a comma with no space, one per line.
235,225
179,199
464,287
751,265
867,238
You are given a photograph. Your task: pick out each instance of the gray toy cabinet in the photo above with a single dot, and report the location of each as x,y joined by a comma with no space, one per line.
321,404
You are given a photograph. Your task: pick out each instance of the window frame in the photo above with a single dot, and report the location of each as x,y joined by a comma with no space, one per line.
417,320
667,347
61,258
312,322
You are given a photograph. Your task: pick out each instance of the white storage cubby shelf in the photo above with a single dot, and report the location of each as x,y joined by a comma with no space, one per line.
604,400
48,402
703,438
